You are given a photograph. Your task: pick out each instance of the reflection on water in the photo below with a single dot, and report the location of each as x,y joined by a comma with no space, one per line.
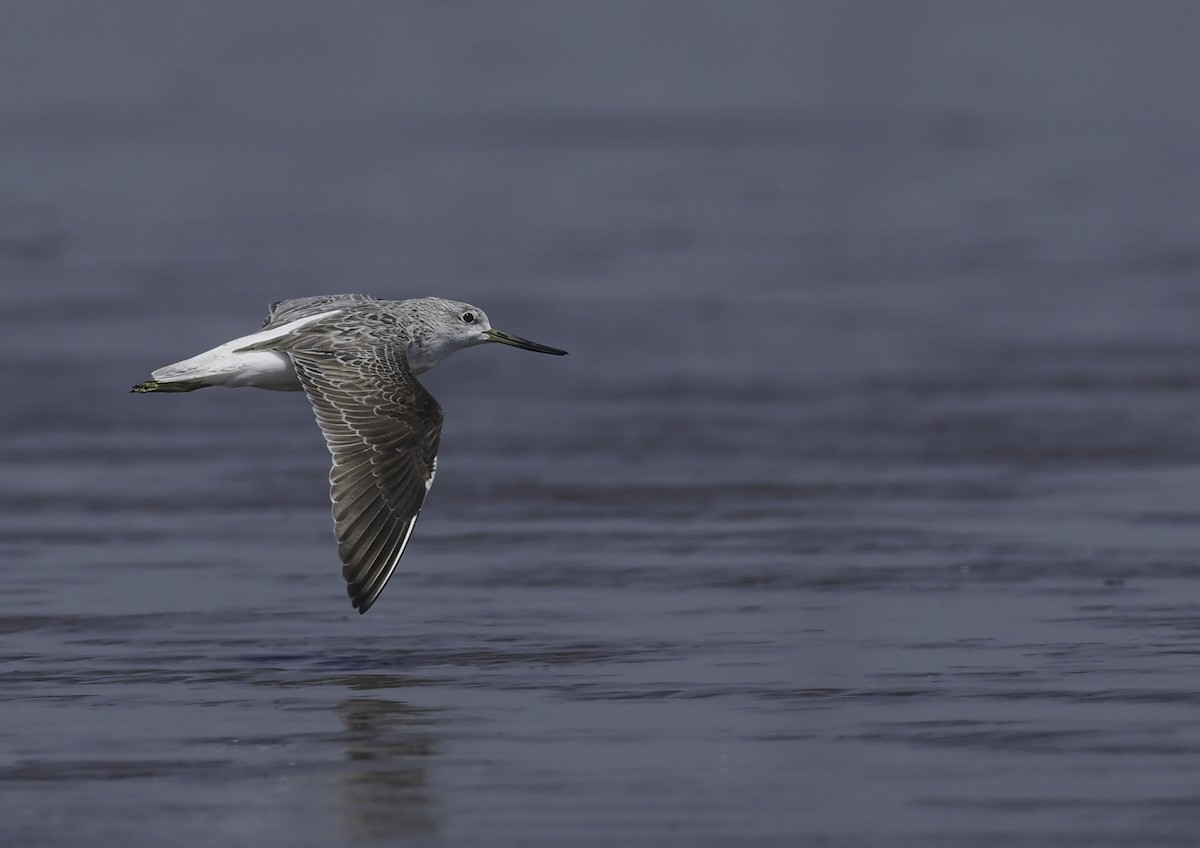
383,790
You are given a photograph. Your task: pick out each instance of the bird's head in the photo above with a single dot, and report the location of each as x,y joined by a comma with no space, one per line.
449,325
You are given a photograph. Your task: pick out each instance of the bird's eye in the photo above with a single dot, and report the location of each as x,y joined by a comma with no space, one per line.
468,317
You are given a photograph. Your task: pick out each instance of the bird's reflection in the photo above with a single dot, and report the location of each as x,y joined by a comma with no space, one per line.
383,787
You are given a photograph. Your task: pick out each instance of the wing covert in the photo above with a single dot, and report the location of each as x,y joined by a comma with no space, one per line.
283,311
382,428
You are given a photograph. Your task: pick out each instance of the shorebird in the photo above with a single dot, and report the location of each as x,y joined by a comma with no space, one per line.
356,357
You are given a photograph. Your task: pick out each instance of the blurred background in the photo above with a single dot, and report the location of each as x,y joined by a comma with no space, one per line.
864,509
838,156
676,187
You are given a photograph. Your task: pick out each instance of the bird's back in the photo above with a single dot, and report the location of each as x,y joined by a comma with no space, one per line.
284,311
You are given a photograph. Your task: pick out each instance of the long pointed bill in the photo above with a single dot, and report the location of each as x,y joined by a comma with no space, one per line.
516,341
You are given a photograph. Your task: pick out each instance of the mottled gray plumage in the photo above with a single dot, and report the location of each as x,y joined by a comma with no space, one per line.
356,358
283,311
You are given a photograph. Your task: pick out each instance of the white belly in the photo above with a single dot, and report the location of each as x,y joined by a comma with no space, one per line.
263,369
228,365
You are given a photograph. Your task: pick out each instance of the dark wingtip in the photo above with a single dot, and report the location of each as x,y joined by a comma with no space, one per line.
359,601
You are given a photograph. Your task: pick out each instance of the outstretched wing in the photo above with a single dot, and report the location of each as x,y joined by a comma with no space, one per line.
283,311
382,428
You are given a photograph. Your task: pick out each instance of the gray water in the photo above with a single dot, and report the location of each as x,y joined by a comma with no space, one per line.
863,512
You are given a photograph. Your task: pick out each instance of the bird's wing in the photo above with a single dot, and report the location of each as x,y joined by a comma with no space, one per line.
283,311
382,428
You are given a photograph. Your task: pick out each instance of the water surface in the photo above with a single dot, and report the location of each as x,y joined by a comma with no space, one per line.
863,511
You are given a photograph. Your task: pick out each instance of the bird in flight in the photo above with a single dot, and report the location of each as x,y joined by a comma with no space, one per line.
356,357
